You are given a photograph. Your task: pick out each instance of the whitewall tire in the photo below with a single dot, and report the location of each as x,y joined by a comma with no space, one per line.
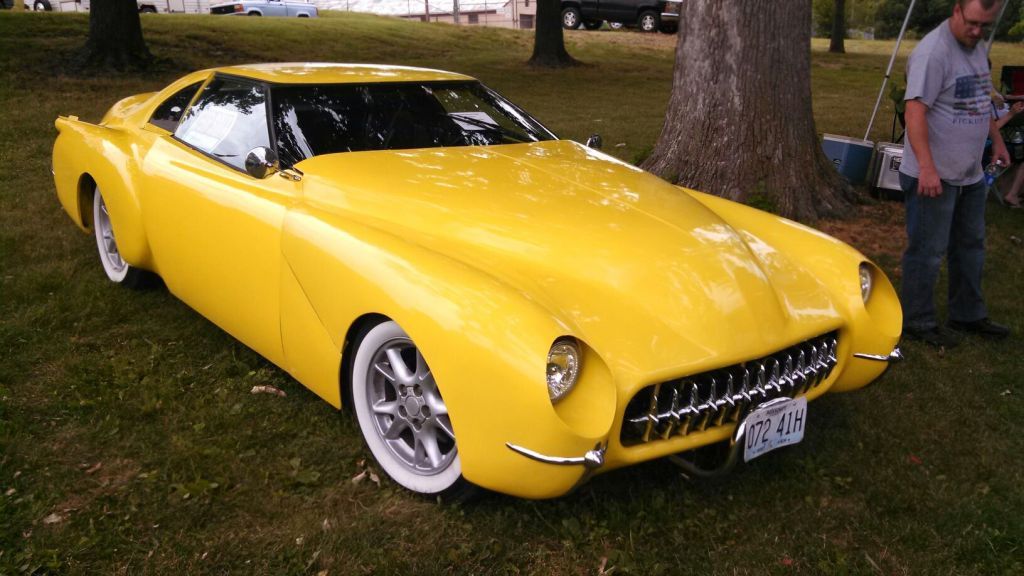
402,416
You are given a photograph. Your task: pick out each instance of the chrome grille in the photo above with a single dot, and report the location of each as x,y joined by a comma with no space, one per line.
718,397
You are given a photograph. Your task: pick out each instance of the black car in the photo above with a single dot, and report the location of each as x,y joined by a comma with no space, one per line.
647,15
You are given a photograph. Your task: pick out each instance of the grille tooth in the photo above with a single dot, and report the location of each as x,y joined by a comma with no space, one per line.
719,397
673,418
652,413
691,408
787,374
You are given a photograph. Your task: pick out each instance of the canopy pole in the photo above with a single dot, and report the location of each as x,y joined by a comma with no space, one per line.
992,34
888,70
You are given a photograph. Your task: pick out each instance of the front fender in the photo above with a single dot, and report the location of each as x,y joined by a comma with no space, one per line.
486,343
106,155
872,328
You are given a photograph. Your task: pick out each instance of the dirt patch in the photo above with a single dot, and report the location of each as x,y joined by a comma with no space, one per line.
877,230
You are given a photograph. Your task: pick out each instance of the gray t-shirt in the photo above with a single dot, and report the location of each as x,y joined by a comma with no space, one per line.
954,83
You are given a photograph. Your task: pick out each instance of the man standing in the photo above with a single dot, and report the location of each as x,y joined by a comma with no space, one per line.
948,118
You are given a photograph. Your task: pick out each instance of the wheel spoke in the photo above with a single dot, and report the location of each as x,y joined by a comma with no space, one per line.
385,407
428,439
398,365
422,370
396,428
379,367
445,425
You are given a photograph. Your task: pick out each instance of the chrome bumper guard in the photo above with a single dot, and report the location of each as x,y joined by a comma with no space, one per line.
895,356
592,460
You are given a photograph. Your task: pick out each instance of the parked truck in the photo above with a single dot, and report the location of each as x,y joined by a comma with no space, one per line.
646,15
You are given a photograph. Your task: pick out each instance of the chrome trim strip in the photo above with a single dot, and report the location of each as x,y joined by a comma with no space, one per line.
591,460
895,356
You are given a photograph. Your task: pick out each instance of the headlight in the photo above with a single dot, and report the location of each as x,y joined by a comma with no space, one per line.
865,281
563,367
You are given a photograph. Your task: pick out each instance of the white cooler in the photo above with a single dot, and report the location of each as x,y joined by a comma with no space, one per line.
885,178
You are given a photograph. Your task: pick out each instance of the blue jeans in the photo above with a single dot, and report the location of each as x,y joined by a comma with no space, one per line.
951,225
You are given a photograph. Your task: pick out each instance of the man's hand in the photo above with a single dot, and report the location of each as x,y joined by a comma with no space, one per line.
928,183
1000,154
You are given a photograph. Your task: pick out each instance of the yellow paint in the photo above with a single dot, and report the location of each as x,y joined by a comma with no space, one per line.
484,256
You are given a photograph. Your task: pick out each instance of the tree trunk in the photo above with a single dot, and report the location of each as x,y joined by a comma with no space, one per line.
838,28
739,122
115,36
548,44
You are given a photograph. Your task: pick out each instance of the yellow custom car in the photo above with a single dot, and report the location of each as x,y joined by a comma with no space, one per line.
499,308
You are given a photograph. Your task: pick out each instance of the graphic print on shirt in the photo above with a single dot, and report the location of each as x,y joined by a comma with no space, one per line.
973,103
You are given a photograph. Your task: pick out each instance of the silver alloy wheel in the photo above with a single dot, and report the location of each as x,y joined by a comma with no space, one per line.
115,266
401,413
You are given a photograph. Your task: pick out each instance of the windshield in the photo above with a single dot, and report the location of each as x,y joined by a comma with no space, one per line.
311,120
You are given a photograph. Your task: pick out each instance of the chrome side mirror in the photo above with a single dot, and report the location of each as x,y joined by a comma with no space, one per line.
261,162
595,142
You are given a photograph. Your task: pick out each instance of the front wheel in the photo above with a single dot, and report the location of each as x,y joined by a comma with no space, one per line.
648,22
42,6
118,271
571,18
403,417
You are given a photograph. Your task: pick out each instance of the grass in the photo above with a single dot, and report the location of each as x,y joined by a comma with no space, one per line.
130,442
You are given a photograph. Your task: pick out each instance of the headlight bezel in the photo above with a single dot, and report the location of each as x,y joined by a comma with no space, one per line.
563,367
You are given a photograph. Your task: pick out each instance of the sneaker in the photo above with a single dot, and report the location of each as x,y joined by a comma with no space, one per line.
934,336
984,328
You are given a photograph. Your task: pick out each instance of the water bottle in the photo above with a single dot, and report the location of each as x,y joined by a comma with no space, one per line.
992,171
1017,146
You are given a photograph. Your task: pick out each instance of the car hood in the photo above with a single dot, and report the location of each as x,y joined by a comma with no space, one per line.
624,259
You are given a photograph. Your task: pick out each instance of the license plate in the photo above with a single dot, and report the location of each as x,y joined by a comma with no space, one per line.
774,426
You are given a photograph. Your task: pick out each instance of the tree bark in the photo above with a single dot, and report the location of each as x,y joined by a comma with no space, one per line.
739,122
548,43
115,36
838,28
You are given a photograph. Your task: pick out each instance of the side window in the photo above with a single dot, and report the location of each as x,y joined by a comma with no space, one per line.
168,114
227,120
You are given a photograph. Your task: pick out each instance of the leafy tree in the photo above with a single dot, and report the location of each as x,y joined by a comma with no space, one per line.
739,122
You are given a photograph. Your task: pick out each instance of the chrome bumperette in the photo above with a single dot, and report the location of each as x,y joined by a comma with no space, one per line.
895,356
719,397
592,460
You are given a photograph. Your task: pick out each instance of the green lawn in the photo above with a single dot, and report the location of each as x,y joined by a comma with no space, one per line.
130,442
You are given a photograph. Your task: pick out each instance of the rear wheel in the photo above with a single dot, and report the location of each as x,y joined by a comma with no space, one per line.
571,18
117,270
592,24
403,417
42,6
648,22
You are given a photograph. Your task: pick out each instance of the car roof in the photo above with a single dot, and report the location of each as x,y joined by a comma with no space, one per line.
330,73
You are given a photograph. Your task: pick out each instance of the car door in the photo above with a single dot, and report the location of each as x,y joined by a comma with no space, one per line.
274,8
215,231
